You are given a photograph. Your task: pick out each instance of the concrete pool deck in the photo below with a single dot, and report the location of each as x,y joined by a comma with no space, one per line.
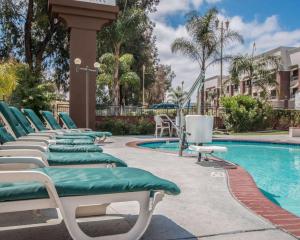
204,210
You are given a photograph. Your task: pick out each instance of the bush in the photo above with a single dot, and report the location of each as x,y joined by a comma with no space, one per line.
244,113
282,119
31,91
8,78
126,125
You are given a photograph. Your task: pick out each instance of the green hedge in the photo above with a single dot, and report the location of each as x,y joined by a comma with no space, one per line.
126,125
283,119
245,113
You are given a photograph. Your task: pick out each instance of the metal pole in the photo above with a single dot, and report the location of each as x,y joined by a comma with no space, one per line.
144,68
87,97
222,39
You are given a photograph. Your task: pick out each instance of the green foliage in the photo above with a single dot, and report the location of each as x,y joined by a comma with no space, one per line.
30,93
127,126
177,95
282,119
128,78
29,33
244,113
260,72
8,78
132,33
204,42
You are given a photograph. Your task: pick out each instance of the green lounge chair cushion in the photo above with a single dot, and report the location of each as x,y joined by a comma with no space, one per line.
74,141
5,136
12,121
35,119
58,159
67,120
65,141
74,148
51,120
55,126
22,120
72,137
71,124
89,181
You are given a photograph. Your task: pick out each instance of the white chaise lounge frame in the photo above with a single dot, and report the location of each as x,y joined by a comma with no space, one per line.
67,206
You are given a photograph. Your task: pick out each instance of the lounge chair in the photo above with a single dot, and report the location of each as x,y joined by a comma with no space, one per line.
54,125
39,126
23,121
58,159
19,133
67,190
70,124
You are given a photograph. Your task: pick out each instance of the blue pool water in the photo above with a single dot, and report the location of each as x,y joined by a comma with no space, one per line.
274,167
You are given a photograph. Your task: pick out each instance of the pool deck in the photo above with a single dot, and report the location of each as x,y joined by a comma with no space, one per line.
206,208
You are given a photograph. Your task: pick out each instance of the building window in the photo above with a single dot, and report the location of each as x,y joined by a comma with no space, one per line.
228,88
273,94
248,83
255,94
236,87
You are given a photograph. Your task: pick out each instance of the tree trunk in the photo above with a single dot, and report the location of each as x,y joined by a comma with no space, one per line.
116,90
28,37
202,91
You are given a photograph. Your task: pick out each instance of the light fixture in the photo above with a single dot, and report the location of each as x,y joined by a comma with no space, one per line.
96,65
55,21
77,61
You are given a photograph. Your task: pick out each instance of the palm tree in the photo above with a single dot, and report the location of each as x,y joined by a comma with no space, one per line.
176,95
259,72
204,43
126,76
130,22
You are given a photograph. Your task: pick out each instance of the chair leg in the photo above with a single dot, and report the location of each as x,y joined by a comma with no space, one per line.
161,132
136,232
156,132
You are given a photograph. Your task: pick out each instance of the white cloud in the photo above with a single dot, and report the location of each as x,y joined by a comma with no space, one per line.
267,34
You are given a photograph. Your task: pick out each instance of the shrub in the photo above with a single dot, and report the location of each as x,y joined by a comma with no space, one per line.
31,91
8,78
126,125
244,113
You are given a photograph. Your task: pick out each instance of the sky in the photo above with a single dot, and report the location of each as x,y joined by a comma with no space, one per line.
268,23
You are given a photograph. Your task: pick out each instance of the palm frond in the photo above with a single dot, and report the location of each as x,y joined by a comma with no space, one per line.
187,48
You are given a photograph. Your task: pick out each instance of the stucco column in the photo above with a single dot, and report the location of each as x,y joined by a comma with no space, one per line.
84,20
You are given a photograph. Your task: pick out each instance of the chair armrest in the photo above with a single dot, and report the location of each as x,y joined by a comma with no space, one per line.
33,139
41,134
24,160
23,153
85,129
24,145
32,176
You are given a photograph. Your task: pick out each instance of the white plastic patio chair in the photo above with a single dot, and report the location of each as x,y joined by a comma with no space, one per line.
161,125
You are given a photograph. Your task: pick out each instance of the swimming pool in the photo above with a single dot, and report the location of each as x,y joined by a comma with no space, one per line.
274,167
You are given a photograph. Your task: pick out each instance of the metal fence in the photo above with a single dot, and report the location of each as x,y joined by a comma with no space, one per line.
108,111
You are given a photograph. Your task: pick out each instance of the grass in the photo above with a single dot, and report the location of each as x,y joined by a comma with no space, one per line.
272,132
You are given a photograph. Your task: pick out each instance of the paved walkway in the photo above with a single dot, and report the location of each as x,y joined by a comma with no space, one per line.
205,209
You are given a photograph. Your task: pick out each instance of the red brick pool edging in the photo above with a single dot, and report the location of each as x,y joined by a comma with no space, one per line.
244,189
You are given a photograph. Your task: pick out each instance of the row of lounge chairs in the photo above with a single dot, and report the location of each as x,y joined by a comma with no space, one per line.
43,168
